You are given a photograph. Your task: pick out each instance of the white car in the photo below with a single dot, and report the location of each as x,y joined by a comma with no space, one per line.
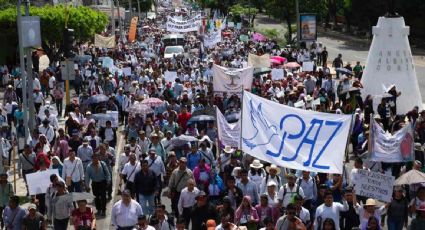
170,51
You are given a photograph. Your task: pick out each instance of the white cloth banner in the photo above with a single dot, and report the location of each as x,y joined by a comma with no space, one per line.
277,74
38,182
308,66
211,39
374,185
170,76
385,147
175,25
232,80
228,134
102,118
104,42
293,138
256,61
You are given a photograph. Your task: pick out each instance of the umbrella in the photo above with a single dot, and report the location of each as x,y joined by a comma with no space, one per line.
259,71
281,59
258,37
201,118
344,71
153,101
292,65
98,98
182,140
76,196
411,177
140,109
275,61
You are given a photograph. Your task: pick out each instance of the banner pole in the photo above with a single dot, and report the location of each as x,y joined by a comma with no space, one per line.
347,159
240,120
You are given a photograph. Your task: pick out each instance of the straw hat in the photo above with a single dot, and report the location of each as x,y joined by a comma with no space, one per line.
228,149
273,167
256,164
377,117
370,202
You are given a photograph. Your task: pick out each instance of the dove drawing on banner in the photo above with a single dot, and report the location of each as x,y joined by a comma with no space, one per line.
260,123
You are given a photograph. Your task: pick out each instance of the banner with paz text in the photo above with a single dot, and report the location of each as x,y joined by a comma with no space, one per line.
293,138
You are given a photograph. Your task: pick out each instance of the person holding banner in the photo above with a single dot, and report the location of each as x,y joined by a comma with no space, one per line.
329,209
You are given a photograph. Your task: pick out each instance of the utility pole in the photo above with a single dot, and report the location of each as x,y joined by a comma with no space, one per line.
113,17
23,74
130,4
138,9
297,8
119,20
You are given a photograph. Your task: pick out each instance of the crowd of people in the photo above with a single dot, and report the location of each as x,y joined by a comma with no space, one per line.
210,186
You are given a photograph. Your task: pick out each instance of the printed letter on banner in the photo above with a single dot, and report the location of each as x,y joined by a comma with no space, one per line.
293,138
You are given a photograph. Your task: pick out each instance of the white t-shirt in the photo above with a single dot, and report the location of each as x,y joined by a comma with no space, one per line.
323,212
289,193
130,170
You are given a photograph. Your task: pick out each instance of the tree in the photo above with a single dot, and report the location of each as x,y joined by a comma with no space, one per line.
85,22
237,11
283,10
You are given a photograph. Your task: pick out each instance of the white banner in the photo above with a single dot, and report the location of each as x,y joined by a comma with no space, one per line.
232,80
228,134
277,74
104,42
256,61
308,66
385,147
375,185
175,25
211,39
38,182
293,138
102,118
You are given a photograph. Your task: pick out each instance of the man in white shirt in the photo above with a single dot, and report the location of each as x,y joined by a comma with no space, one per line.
73,172
308,184
288,190
157,165
48,131
187,200
125,212
329,209
53,120
142,223
124,158
129,170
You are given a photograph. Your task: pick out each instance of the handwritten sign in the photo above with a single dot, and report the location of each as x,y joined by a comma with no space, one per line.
277,74
375,185
126,71
308,66
170,76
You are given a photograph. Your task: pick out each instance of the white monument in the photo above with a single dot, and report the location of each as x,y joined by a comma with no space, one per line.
390,62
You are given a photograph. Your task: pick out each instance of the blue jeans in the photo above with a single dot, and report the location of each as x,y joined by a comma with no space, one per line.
147,202
395,224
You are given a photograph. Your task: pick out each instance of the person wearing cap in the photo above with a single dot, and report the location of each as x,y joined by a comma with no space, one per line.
157,146
13,214
125,212
178,182
202,211
98,173
367,210
329,209
272,175
85,153
33,220
288,190
83,217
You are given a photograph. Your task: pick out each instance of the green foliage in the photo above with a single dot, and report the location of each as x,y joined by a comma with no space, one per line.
318,7
85,22
239,10
7,3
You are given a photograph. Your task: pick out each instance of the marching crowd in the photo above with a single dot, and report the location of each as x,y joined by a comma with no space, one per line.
168,155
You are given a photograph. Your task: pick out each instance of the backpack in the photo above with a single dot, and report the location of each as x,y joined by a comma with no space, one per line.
277,178
297,192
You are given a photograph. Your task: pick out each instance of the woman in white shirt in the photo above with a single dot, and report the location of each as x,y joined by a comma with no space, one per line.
257,173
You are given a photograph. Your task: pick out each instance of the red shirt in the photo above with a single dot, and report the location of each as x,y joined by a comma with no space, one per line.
182,120
82,218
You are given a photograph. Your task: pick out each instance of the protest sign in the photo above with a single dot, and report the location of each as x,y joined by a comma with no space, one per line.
228,134
238,25
38,182
230,24
391,148
108,62
232,80
102,118
175,25
374,185
170,76
126,71
277,74
308,66
293,138
104,42
243,37
211,39
256,61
